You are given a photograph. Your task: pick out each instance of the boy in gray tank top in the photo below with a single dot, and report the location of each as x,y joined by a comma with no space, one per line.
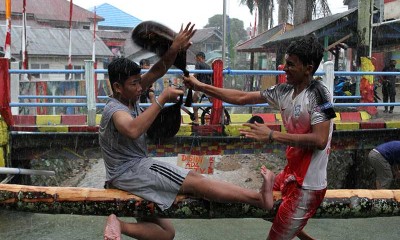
128,167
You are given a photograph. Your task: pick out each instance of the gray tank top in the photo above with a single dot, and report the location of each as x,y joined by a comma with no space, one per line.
119,151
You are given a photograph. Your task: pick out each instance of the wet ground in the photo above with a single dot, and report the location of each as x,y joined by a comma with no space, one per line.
22,226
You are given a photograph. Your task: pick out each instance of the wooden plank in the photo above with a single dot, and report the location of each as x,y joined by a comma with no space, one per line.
339,203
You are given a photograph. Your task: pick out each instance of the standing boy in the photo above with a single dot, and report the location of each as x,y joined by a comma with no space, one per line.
389,85
202,77
307,110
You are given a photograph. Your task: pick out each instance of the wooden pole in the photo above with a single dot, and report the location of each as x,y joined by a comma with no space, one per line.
341,203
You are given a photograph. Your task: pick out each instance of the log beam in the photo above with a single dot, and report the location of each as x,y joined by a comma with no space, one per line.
340,203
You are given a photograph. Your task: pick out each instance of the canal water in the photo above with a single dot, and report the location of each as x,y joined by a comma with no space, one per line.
21,225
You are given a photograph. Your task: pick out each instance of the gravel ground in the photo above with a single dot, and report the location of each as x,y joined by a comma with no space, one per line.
241,169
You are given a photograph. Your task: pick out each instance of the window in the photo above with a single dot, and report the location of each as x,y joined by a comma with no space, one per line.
37,66
209,47
75,76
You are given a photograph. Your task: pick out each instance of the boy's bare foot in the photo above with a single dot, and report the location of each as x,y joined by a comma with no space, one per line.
112,231
266,188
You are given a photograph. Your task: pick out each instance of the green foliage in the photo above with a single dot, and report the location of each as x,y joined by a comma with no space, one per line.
235,33
234,28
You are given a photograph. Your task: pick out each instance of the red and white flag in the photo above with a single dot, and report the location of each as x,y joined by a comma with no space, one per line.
23,40
94,37
7,46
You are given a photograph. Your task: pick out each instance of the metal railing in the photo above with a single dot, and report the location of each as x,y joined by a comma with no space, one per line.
91,103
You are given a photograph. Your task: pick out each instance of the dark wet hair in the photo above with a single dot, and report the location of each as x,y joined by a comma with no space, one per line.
144,62
308,50
120,69
201,54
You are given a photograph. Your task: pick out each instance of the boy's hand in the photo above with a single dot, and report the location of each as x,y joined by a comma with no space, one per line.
191,82
170,94
182,40
257,131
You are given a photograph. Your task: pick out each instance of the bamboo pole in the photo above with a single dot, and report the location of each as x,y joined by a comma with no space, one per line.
340,203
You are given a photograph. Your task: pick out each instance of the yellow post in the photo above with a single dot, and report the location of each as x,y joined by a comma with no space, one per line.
3,141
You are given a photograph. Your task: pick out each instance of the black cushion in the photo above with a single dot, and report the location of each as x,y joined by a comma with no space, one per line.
167,123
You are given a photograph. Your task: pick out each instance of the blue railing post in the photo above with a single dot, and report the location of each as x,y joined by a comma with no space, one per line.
90,92
329,76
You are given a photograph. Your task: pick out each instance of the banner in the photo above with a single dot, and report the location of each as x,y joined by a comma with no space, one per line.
5,98
199,163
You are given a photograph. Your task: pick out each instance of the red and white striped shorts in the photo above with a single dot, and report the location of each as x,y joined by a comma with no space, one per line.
298,205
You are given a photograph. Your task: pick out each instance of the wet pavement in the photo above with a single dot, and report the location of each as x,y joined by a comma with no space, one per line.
22,226
396,111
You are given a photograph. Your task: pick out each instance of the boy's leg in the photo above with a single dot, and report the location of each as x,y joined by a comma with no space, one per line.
385,96
154,228
112,230
392,100
196,109
382,169
220,191
293,213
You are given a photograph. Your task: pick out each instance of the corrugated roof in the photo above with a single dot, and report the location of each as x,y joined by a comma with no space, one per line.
114,17
203,34
109,34
55,41
340,25
255,44
56,10
309,27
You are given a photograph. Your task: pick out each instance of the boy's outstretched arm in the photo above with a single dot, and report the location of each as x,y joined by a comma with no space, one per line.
232,96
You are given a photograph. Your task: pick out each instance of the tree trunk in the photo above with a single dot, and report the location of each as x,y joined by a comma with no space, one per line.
283,11
262,18
343,203
302,11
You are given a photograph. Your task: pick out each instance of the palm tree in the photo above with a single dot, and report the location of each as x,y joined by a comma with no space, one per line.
265,9
283,12
300,11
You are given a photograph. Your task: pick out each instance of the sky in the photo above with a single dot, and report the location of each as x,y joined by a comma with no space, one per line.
174,13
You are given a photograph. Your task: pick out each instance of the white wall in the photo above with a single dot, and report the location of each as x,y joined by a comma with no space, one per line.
392,10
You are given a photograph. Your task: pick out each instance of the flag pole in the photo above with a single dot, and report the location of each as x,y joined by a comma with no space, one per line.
94,36
94,53
7,47
23,40
70,39
223,31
